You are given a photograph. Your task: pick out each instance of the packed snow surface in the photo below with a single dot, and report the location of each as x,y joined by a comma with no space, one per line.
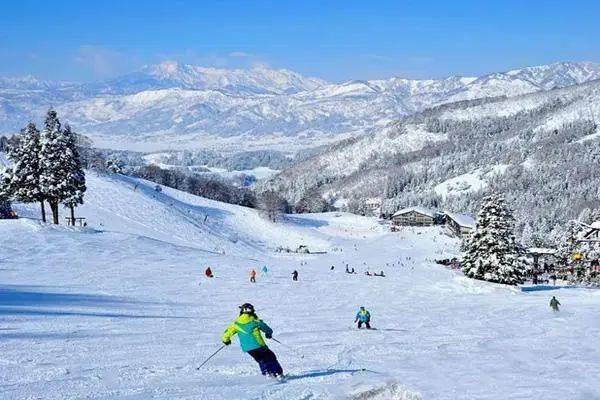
121,309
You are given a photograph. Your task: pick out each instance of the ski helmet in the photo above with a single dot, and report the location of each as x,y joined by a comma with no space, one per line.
246,308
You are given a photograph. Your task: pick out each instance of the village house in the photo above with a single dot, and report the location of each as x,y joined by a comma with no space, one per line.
459,225
414,216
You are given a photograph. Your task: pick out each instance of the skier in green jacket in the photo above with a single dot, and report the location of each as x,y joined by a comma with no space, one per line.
248,328
554,303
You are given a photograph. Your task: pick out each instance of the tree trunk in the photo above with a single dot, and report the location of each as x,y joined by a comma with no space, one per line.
43,207
72,215
54,208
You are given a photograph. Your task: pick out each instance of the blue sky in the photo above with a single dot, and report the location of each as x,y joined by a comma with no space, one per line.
334,40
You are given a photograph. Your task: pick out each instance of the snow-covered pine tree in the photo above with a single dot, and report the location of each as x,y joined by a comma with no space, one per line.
114,165
75,177
527,235
567,243
55,163
492,253
22,180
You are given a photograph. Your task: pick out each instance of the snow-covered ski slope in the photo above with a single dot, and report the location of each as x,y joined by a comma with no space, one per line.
121,310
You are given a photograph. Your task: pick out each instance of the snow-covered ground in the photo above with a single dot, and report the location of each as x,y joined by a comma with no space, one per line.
469,182
121,310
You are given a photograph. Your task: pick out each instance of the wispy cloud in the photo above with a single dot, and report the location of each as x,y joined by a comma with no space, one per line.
103,62
240,54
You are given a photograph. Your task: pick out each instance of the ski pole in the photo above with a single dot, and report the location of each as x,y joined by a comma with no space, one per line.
212,355
289,348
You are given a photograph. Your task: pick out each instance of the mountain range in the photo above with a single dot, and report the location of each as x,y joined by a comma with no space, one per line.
179,106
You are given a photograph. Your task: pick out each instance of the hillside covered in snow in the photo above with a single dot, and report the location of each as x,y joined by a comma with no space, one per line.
542,149
177,106
121,309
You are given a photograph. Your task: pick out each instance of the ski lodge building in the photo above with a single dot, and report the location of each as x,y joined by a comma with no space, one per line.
414,216
459,225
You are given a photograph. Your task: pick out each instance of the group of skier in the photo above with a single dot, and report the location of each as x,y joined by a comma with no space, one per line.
264,270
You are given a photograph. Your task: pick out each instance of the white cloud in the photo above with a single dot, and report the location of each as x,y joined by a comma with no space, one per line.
103,62
241,54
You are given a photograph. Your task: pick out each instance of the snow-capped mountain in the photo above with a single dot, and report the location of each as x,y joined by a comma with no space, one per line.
180,106
170,74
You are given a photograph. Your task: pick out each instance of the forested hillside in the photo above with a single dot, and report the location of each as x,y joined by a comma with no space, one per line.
542,150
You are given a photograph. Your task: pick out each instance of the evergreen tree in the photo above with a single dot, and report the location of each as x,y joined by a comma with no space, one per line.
55,163
22,180
114,165
527,235
567,243
75,180
492,253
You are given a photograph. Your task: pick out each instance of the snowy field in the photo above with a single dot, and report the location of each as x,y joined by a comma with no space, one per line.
121,309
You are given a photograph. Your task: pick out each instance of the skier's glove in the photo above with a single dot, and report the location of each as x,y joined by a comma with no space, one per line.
269,335
226,342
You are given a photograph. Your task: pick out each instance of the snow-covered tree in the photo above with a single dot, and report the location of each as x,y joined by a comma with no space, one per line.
566,243
55,163
272,204
22,180
114,165
492,253
312,202
75,179
527,235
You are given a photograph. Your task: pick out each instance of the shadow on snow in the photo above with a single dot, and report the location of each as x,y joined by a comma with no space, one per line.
326,372
20,300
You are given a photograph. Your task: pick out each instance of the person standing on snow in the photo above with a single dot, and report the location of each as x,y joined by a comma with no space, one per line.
208,273
363,317
253,276
248,327
295,275
554,303
265,270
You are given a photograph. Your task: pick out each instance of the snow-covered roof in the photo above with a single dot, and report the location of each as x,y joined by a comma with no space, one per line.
420,210
462,219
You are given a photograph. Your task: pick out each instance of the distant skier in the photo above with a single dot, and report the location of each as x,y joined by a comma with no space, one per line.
265,270
363,317
347,270
253,276
209,273
295,275
554,303
332,268
368,273
379,274
248,327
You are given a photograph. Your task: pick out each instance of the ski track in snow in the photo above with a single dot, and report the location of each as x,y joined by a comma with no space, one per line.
121,310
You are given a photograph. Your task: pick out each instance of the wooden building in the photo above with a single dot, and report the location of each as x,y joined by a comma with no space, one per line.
459,225
414,216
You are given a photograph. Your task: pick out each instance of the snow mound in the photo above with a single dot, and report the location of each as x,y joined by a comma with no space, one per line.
390,391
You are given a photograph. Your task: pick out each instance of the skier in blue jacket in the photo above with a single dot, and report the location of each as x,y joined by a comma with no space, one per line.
363,317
